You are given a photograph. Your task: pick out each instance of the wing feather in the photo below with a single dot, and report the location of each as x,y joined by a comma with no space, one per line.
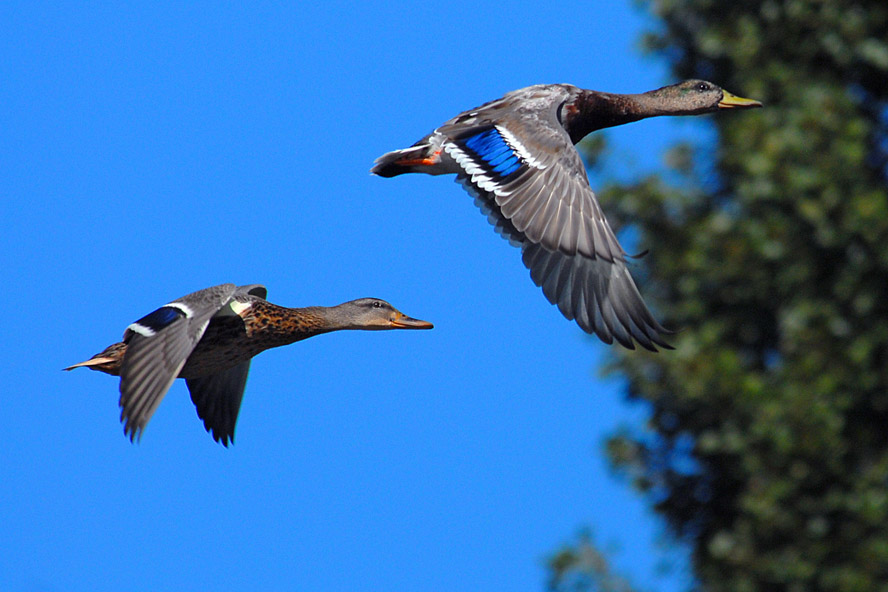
550,181
155,357
218,399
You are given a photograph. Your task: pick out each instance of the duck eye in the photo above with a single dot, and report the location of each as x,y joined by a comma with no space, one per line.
377,304
702,87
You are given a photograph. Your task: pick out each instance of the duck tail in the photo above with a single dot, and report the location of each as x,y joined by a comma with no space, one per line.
403,161
108,361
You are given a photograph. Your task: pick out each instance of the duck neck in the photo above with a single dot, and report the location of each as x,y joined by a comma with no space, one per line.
279,325
594,110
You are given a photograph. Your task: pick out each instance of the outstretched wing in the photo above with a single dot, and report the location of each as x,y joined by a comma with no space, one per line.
600,295
158,345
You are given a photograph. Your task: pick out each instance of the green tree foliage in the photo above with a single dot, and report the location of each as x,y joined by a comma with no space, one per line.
768,444
584,568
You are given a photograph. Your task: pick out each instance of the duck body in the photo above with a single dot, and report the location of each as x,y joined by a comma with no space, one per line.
209,338
241,327
516,156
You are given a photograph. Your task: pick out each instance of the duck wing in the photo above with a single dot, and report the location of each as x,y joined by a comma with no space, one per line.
598,294
158,345
524,164
217,397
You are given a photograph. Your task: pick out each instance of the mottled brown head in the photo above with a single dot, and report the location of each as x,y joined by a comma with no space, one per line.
374,314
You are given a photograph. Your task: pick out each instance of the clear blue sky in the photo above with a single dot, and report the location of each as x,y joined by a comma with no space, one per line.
149,152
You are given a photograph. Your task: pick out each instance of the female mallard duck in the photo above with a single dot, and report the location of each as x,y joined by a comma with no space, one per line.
209,337
516,156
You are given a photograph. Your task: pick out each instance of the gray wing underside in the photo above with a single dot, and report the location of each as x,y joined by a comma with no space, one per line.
598,294
153,362
218,399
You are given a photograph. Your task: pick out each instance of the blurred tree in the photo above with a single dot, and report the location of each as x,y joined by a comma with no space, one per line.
767,451
584,568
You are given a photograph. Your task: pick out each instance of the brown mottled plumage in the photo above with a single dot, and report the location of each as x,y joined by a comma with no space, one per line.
209,337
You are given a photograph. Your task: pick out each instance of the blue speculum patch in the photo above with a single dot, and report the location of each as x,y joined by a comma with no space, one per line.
490,147
160,318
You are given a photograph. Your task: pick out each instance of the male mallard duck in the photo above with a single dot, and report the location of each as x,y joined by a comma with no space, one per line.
209,337
516,156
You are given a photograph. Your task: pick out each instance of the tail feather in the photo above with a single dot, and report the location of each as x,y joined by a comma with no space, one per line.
90,362
107,361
